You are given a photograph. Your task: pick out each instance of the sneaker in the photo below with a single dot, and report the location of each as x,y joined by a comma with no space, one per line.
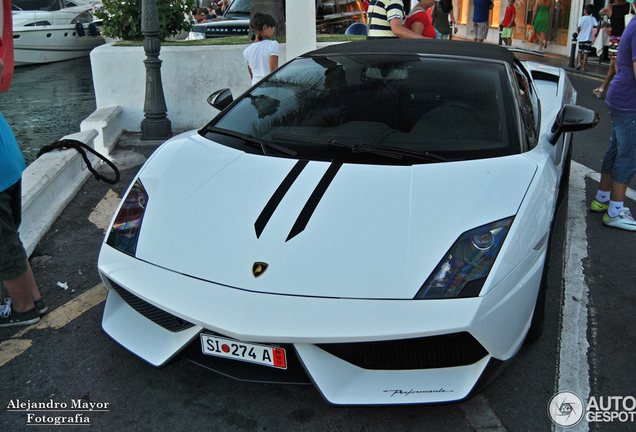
41,306
10,317
624,220
596,207
6,307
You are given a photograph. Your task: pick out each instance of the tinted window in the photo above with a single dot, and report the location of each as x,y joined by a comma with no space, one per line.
528,103
459,109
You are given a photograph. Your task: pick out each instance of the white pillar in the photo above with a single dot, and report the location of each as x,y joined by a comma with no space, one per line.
301,27
576,12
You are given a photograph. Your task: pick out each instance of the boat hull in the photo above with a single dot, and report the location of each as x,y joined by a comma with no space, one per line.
48,44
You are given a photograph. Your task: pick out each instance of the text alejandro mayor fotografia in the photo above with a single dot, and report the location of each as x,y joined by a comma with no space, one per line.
57,413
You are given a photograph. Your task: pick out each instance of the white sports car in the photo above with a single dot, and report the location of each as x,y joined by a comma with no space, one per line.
373,218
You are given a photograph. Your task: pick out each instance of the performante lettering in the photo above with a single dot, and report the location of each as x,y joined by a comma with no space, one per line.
410,392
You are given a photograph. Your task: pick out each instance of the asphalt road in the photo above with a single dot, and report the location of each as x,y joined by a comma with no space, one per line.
74,362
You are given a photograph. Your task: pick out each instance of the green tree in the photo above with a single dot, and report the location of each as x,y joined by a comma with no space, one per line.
122,18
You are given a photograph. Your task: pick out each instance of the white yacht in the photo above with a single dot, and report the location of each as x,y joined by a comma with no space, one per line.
46,31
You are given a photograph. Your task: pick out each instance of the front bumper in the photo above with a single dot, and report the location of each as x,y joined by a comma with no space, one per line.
497,322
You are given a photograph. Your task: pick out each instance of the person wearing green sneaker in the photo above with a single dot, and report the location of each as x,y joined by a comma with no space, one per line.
26,304
619,163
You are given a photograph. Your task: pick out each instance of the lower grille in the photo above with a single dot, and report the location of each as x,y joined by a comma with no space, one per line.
153,313
457,349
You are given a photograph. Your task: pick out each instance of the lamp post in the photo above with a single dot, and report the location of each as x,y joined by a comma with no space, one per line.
155,124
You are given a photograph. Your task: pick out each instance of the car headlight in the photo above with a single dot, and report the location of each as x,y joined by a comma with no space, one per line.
125,231
466,265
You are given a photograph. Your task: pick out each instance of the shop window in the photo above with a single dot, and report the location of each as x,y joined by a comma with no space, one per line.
559,19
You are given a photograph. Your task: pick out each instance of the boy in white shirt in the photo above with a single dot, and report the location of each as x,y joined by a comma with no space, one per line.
586,24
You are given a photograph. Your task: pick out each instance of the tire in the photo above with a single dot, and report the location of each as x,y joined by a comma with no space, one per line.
565,176
538,316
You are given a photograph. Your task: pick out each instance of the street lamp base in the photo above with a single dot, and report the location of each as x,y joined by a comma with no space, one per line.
155,129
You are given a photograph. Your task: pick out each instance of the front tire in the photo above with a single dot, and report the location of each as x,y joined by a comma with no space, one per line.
538,316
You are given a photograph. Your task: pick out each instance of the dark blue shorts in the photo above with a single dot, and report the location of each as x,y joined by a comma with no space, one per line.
585,47
620,158
13,259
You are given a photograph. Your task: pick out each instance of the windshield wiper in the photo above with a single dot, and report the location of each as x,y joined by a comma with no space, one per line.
387,151
253,141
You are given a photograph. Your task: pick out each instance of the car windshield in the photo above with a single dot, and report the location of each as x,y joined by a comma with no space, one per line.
239,6
449,107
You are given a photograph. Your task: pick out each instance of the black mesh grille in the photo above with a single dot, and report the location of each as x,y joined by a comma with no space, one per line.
457,349
153,313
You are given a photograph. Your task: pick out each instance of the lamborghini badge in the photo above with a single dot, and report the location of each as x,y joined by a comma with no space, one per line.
259,268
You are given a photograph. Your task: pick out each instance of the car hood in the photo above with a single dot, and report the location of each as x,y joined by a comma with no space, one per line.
324,229
225,20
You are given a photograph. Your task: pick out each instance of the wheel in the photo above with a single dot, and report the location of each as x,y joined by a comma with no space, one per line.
538,316
565,176
536,326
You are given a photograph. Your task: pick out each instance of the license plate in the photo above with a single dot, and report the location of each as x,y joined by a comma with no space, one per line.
253,353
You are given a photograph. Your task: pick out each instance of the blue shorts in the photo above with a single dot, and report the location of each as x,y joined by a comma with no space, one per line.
13,259
620,158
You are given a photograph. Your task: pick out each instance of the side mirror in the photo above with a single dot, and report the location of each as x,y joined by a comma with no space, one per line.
572,118
221,99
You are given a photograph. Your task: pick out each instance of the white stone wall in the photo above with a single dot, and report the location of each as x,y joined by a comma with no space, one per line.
189,75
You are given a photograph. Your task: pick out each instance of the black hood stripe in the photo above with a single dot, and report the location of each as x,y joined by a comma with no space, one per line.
278,196
314,199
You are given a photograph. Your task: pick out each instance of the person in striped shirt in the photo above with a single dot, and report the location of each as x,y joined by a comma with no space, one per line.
385,20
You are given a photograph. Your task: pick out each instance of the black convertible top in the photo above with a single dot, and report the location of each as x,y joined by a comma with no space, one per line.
395,46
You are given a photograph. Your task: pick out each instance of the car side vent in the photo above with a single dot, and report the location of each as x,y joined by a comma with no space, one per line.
457,349
544,76
153,313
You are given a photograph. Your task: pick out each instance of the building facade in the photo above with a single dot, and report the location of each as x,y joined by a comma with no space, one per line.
564,19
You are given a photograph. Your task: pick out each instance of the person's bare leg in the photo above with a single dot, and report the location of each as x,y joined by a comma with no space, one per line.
542,40
618,192
23,291
606,182
610,74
